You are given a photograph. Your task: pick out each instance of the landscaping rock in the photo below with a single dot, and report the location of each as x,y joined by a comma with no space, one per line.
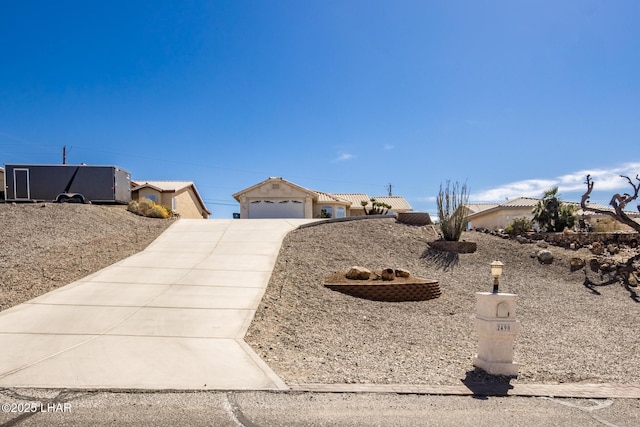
607,266
358,273
613,249
542,244
388,274
596,248
401,272
545,256
577,264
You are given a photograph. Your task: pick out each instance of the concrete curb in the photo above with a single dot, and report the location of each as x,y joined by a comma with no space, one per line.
584,391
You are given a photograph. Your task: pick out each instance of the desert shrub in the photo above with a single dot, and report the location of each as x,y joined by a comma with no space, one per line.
519,226
148,208
451,211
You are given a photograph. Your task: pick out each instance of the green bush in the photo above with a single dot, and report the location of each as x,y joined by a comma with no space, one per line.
551,214
148,208
519,226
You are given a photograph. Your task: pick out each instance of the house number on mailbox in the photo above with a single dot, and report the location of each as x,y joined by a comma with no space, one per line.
503,327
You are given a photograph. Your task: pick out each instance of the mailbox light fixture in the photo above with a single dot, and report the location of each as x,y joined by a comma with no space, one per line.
496,272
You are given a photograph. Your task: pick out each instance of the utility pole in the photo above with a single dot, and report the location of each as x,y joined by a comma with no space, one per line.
64,154
389,190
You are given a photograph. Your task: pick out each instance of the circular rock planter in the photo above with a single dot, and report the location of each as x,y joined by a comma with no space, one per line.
400,289
458,247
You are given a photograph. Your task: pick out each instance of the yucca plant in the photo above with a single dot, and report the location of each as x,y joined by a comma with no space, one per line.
377,208
451,210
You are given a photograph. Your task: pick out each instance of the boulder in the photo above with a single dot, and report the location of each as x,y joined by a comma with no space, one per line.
607,266
596,248
545,256
613,249
542,244
388,274
577,264
358,273
401,272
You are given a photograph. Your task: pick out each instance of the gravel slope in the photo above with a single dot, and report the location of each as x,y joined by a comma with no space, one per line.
308,333
45,246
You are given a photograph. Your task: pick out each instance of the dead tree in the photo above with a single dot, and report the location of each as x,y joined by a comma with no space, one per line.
618,203
623,271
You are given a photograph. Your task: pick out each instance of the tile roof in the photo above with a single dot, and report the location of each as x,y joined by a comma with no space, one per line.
275,180
326,197
164,185
530,202
479,207
354,198
580,211
395,202
521,202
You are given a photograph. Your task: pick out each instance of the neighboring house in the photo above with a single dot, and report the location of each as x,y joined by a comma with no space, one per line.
181,196
2,183
497,216
278,198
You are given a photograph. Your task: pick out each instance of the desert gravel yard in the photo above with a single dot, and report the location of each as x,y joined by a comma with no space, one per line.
308,333
48,245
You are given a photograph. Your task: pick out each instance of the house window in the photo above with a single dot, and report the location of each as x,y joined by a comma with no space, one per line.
174,203
326,212
152,197
340,213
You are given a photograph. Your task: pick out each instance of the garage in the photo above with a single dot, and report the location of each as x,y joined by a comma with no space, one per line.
276,208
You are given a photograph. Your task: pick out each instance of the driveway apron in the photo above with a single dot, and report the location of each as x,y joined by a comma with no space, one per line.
170,317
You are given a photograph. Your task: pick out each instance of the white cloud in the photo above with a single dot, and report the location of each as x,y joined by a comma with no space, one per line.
388,147
604,179
526,188
343,157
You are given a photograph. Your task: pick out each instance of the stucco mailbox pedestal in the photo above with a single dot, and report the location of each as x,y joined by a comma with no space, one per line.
497,329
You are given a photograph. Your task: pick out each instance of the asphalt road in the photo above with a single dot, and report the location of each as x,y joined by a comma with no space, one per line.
266,409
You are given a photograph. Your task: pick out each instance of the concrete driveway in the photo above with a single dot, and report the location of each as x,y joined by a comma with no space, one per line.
170,317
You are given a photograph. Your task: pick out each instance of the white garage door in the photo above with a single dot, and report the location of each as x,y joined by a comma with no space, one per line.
293,208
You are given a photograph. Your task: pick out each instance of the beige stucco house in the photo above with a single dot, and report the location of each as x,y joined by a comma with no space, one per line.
494,216
181,196
498,216
276,197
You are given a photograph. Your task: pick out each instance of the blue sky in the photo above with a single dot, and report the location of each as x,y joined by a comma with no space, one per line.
512,97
